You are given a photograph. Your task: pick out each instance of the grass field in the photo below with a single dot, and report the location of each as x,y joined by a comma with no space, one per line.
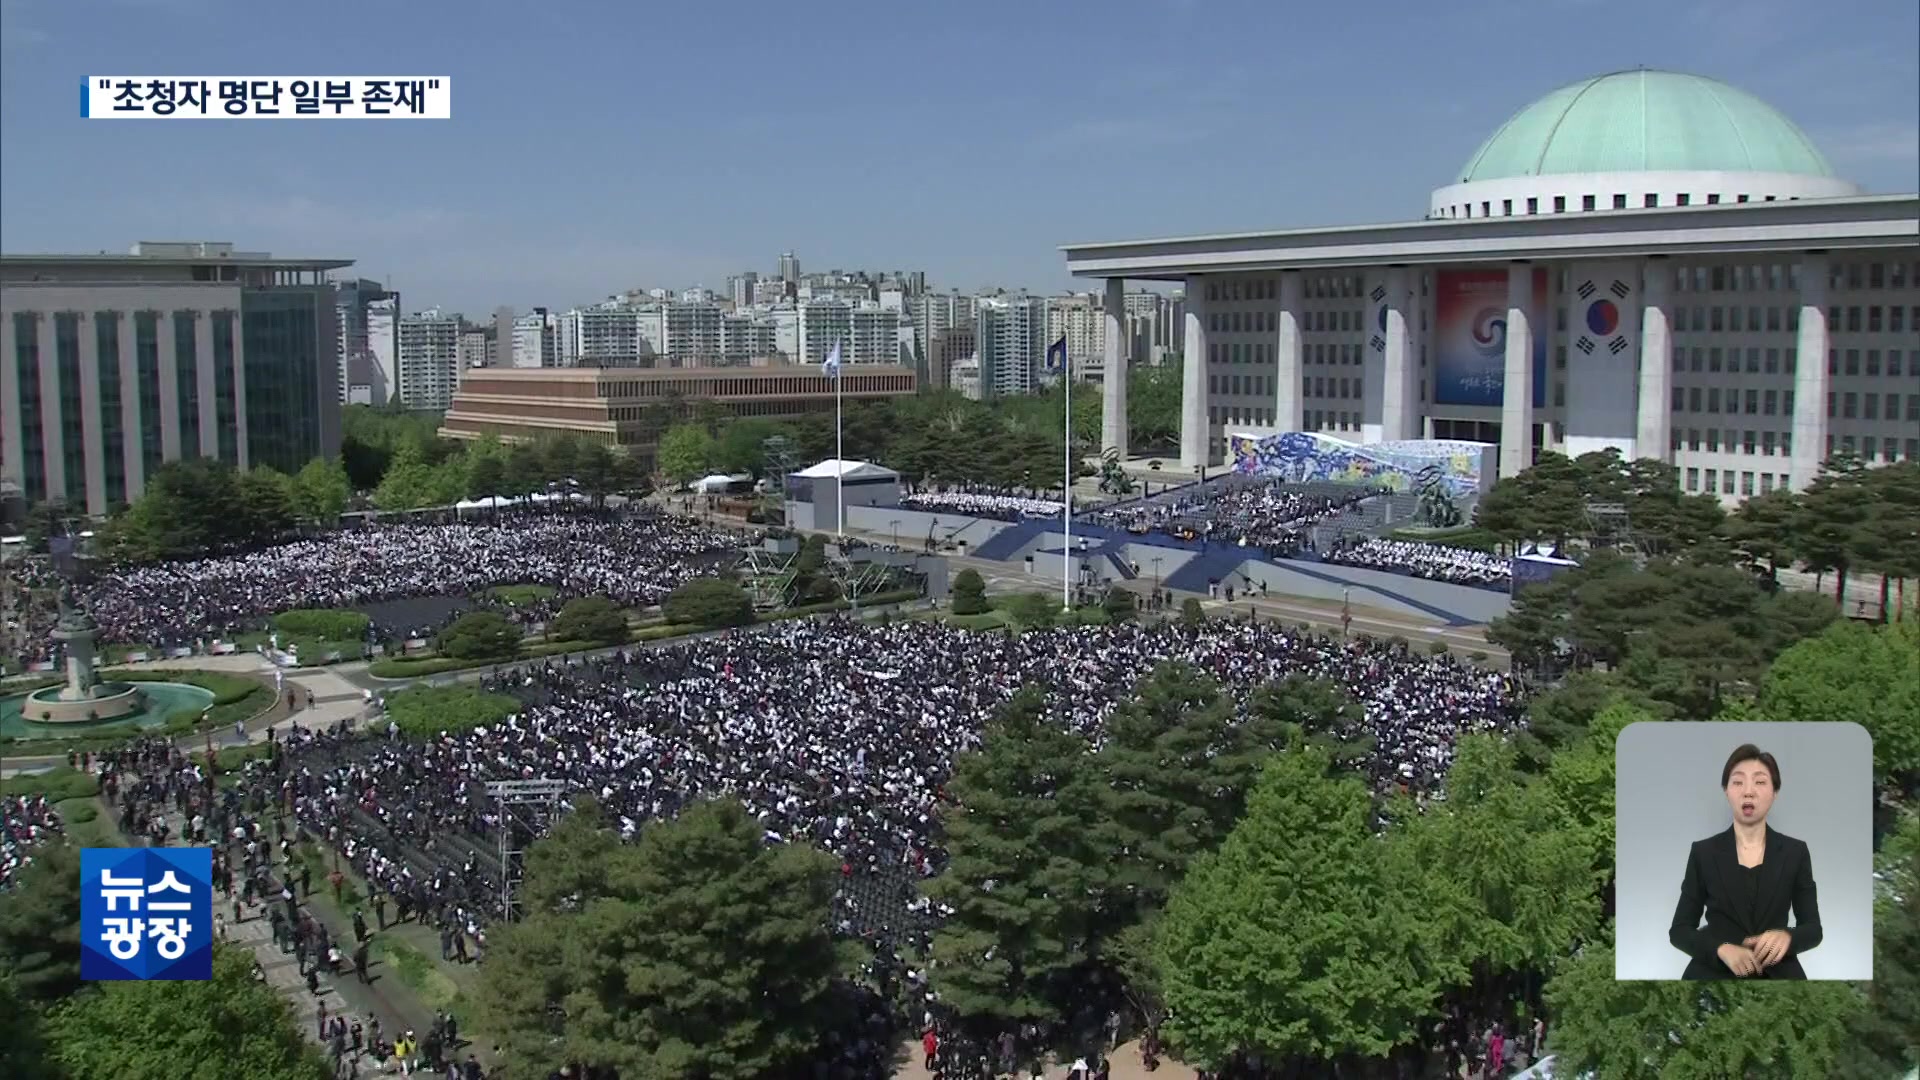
521,595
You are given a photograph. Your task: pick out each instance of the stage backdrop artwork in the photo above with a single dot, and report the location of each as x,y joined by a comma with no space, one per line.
1470,337
1412,465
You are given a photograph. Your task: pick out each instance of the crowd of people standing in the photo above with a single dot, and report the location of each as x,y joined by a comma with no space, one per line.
1439,562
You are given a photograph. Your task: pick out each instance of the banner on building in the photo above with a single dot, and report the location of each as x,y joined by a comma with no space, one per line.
1603,358
1470,337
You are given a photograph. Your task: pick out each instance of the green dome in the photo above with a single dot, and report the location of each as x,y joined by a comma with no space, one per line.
1646,121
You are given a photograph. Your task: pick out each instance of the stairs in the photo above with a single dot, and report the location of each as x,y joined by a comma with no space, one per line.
1211,565
1120,565
1006,543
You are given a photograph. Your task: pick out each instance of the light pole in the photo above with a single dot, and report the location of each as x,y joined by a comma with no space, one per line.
896,532
1156,572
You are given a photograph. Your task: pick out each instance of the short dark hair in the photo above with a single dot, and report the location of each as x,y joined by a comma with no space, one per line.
1749,752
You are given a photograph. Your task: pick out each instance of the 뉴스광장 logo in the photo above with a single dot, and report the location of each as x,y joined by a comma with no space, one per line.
146,913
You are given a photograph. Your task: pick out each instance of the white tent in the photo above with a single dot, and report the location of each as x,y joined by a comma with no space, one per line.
717,482
851,470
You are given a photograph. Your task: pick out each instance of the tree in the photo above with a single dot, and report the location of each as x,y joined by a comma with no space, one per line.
1852,672
486,478
229,1025
1500,883
1294,941
684,453
409,482
698,951
1192,613
709,602
320,491
590,618
22,1033
44,520
1762,530
1644,1030
596,471
1153,404
1886,1038
525,473
969,593
1833,512
1024,874
1889,542
40,926
479,635
266,499
1118,603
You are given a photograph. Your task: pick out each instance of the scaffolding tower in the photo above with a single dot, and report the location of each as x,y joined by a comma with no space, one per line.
858,578
771,578
1609,526
528,808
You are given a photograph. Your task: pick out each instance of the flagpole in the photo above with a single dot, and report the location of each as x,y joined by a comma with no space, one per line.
1066,490
839,451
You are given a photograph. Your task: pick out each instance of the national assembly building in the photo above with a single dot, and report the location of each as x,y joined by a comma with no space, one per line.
1650,261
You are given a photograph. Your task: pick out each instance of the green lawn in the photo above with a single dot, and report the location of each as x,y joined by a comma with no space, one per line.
522,595
427,663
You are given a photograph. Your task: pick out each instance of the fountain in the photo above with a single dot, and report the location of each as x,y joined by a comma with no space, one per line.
84,699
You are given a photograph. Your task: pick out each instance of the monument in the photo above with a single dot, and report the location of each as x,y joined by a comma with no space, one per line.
84,698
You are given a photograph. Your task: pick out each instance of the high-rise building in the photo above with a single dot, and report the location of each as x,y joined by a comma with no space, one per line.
366,364
740,289
746,337
375,370
604,336
789,267
118,363
951,348
1011,336
1079,319
429,359
477,348
936,312
536,339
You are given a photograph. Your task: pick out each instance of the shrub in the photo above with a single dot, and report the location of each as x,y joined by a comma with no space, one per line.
1399,642
327,623
1118,604
969,593
1437,647
79,813
423,712
57,784
1477,657
1191,613
479,635
1032,609
709,602
590,618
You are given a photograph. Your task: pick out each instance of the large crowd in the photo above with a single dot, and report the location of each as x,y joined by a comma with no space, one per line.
635,559
1440,562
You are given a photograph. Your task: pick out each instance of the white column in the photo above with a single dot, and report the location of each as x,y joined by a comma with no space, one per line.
169,390
1653,434
1810,378
13,465
1113,387
1399,397
93,439
1196,433
1373,356
203,382
1288,414
131,431
1516,400
52,426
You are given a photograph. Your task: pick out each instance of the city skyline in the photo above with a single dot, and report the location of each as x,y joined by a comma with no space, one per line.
1200,128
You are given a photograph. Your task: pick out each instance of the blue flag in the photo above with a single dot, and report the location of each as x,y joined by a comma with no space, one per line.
830,367
1057,356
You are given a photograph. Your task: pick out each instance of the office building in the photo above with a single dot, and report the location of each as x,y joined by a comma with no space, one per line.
952,347
607,335
114,364
1649,261
740,289
630,408
536,339
789,268
366,354
477,348
1078,319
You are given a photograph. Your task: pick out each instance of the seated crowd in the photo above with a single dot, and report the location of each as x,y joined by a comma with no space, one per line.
1440,562
1008,504
1274,517
634,559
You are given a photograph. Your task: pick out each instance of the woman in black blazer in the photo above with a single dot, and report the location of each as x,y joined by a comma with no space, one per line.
1746,879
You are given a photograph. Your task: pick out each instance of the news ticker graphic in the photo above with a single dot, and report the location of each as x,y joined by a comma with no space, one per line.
266,97
146,913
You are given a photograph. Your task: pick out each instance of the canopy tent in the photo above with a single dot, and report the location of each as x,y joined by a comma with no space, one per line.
852,471
718,482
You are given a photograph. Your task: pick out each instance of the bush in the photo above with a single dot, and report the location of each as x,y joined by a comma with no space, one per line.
590,618
709,602
423,712
1191,613
57,784
969,593
1032,609
1118,604
1477,657
79,813
1437,647
328,623
479,635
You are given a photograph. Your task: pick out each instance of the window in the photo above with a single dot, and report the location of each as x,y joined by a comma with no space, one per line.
1746,483
1650,201
1766,478
1766,443
1747,442
1559,204
1506,207
1679,398
1753,403
1713,482
1533,205
1693,399
1773,362
1849,405
1586,202
1687,200
1713,440
1713,200
1693,480
1619,202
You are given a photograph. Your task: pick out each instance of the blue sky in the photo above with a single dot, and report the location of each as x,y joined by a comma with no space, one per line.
598,146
